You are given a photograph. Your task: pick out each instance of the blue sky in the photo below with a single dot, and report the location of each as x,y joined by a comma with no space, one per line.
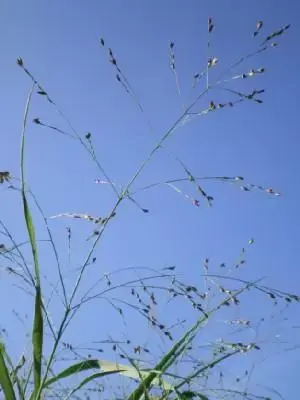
59,42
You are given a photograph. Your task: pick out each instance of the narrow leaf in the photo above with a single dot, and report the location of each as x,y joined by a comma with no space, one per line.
14,373
107,367
74,369
37,338
37,331
134,373
5,381
89,379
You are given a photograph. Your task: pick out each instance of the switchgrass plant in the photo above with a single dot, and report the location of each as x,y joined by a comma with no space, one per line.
183,358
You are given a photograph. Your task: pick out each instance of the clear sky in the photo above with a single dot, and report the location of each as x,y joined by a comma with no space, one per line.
59,42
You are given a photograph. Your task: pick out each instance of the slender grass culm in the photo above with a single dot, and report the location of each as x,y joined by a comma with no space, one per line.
166,338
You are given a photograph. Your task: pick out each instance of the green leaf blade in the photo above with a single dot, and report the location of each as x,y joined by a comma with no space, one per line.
37,339
73,370
37,330
5,381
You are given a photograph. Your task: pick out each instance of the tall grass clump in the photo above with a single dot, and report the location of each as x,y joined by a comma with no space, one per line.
149,351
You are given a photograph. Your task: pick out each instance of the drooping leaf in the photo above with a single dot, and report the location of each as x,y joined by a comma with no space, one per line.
106,367
74,369
89,379
133,373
